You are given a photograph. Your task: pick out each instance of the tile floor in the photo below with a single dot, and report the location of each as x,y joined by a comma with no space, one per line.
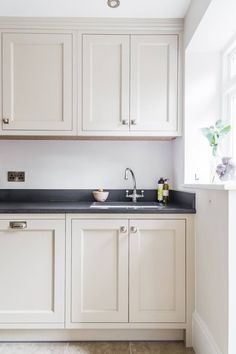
95,348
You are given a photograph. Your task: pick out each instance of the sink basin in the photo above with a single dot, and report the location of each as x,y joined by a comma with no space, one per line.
126,205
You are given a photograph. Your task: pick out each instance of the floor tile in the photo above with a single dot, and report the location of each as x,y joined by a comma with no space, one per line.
49,348
95,348
119,348
159,348
15,348
88,348
145,348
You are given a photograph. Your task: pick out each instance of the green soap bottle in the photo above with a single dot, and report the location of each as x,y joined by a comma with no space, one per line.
160,190
166,192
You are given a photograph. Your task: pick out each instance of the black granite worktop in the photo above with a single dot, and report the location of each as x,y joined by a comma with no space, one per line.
80,201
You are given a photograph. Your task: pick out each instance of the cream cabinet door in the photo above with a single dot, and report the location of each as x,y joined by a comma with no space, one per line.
32,272
154,83
105,83
157,271
99,271
37,82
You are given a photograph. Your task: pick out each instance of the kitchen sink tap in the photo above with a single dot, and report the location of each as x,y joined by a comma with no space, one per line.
134,196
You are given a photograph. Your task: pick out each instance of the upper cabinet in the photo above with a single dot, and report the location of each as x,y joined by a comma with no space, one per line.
91,78
130,84
37,83
105,83
154,84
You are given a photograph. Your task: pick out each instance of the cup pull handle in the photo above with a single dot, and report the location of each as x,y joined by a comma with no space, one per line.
19,225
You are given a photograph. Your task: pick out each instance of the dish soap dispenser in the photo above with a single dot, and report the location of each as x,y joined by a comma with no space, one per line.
165,192
160,190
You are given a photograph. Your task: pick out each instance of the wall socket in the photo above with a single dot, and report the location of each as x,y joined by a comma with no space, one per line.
16,176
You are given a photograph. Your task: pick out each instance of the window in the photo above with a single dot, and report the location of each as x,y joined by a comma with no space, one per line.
232,65
229,92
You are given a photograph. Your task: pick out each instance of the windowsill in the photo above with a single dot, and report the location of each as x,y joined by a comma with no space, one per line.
224,186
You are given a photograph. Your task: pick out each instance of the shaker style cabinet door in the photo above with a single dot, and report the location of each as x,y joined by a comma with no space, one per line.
154,83
105,83
37,82
32,272
157,271
99,271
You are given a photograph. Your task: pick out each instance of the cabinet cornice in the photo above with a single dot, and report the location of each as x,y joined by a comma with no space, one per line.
79,23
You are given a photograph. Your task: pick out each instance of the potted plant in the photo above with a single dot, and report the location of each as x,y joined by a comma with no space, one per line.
214,135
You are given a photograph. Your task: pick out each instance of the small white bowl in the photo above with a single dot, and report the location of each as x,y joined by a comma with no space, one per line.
100,196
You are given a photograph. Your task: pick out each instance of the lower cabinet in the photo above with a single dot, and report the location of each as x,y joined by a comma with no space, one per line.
157,271
123,272
99,271
32,272
126,271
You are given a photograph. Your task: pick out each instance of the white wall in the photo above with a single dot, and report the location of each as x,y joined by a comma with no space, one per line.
85,164
211,272
193,17
202,109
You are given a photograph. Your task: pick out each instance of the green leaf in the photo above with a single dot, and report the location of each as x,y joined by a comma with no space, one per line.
225,130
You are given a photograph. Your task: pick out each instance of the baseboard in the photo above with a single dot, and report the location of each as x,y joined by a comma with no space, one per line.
203,341
62,335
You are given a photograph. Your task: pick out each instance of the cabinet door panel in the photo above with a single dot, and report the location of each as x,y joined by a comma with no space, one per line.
154,73
105,82
99,274
37,81
32,272
157,271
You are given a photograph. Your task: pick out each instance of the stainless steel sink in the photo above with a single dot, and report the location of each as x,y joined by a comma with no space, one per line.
126,205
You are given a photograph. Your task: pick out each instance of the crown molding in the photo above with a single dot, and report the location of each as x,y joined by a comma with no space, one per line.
83,24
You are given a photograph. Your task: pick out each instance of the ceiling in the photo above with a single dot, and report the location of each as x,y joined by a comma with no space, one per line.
94,8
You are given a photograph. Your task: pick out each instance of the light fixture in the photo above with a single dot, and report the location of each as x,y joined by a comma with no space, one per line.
113,3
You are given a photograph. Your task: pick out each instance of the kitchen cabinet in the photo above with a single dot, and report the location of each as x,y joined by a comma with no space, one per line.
37,85
130,85
105,83
157,271
99,271
32,272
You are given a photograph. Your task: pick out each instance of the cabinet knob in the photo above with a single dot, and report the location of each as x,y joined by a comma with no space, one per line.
6,120
18,225
133,229
133,122
123,229
125,122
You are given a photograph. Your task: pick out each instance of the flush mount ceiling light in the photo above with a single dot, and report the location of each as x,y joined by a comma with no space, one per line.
113,3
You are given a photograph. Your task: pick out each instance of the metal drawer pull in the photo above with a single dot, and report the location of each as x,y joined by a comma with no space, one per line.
133,122
125,122
123,229
133,229
6,120
18,225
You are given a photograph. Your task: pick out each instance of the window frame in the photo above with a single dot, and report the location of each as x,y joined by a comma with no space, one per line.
228,92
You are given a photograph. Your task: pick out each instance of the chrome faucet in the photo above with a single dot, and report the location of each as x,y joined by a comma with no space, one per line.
134,195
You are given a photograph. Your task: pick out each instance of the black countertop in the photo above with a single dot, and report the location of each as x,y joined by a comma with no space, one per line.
80,201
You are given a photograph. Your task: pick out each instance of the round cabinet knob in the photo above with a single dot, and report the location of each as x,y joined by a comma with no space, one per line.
133,229
123,229
6,120
133,122
125,122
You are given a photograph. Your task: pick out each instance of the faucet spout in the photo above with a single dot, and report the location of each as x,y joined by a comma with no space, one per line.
134,195
132,174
